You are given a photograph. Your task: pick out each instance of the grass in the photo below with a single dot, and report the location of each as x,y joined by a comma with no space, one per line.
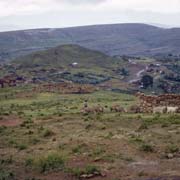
47,133
4,161
53,128
21,146
147,147
6,175
88,170
52,161
172,148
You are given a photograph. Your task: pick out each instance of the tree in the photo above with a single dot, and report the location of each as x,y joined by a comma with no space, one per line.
124,72
147,81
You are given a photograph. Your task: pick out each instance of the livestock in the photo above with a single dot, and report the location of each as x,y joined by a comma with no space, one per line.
88,110
97,109
117,108
160,109
172,109
134,109
148,102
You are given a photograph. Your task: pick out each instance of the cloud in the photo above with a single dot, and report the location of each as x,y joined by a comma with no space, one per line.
58,13
13,7
81,1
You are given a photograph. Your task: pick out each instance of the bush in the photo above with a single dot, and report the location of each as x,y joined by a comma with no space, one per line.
80,148
21,146
50,162
90,169
172,148
29,162
8,160
2,129
6,175
47,133
146,148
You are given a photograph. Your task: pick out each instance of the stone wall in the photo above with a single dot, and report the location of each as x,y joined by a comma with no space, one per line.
147,103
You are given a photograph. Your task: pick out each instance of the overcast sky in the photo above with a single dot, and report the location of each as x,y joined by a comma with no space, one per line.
25,14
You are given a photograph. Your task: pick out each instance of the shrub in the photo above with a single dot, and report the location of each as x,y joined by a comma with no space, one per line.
89,169
80,148
50,162
2,129
34,140
146,148
172,148
6,175
47,133
21,146
8,160
29,161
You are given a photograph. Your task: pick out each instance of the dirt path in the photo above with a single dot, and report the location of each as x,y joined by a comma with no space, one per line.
137,73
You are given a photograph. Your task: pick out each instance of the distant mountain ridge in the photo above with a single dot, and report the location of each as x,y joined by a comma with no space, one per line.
115,39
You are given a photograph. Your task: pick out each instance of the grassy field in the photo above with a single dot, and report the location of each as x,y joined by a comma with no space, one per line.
45,136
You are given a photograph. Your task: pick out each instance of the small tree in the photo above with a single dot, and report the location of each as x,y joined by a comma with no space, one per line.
147,81
124,72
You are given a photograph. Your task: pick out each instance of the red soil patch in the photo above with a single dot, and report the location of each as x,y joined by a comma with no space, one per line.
10,121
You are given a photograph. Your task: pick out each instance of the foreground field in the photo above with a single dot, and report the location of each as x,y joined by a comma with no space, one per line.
45,136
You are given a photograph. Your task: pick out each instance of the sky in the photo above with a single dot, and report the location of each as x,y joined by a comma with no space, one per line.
28,14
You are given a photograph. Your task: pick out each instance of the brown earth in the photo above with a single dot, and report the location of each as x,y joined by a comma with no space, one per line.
10,121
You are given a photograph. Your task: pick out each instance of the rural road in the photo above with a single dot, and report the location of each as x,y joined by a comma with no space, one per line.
138,75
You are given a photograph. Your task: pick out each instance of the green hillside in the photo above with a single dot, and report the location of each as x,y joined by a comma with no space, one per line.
65,55
68,62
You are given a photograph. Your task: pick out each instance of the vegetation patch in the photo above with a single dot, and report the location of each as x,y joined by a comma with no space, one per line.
52,161
6,175
86,172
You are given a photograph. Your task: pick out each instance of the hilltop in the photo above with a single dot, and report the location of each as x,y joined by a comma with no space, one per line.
114,40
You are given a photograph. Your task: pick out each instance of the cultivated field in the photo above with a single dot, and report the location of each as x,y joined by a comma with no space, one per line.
45,136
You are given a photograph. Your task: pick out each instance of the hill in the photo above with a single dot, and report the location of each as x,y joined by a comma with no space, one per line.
66,62
80,65
117,39
65,55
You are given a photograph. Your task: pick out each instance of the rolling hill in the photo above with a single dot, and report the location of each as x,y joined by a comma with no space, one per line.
66,62
117,39
64,56
80,65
